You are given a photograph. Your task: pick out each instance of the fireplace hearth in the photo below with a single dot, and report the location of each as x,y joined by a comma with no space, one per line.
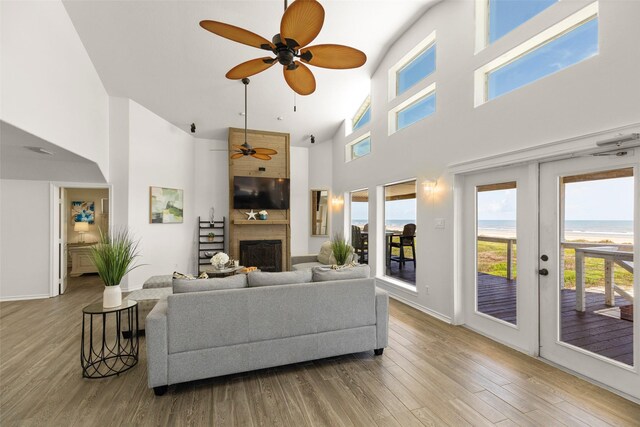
264,254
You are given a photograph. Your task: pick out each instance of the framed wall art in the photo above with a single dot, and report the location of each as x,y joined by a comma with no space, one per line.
165,205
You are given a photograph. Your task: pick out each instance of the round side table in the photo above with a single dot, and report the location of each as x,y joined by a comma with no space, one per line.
104,350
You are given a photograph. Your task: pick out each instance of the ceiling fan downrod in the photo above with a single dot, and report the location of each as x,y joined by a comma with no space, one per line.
245,81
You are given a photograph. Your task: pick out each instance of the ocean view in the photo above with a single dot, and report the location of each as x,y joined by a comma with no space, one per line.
615,231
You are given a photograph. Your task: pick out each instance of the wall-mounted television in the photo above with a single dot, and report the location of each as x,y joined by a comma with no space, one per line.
251,192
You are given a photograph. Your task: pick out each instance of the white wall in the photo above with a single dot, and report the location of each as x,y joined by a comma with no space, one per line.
24,241
299,200
160,155
94,195
49,86
598,94
320,178
212,180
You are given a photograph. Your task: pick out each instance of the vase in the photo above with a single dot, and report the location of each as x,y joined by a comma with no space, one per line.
221,265
212,212
112,296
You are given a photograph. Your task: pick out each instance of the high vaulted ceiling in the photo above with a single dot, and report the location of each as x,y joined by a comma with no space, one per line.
155,53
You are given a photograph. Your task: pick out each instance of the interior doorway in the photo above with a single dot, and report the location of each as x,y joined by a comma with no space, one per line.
80,214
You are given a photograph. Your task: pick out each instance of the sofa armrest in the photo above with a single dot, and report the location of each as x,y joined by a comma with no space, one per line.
382,318
300,259
157,345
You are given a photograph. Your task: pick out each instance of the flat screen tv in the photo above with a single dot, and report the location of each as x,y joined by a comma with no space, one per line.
251,192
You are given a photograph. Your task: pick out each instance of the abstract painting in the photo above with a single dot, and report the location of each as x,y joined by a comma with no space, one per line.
165,206
83,212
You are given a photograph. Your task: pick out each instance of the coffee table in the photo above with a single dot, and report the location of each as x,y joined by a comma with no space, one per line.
214,272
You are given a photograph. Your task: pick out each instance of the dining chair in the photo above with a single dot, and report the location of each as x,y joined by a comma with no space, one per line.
406,240
359,245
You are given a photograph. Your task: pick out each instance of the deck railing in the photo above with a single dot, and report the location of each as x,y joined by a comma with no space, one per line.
509,242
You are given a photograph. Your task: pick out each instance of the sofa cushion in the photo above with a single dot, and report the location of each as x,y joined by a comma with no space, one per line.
163,281
202,285
325,256
325,274
262,278
305,266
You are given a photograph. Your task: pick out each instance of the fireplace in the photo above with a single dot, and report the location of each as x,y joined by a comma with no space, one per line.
264,254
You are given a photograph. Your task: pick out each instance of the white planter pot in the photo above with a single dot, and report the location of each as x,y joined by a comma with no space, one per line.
112,296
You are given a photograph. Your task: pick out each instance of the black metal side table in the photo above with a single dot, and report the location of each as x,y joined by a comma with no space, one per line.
106,351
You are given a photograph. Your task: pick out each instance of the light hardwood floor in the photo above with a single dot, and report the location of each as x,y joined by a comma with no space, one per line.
431,374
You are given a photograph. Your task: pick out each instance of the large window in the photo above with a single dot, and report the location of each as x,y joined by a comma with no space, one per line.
505,15
566,43
358,148
400,231
414,109
360,224
419,68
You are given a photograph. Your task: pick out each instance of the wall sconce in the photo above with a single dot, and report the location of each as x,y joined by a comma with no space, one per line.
337,202
430,186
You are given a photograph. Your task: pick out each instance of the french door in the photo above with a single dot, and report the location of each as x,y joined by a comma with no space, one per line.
499,255
589,318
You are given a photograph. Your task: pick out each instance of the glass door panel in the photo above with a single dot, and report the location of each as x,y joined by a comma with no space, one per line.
596,279
496,247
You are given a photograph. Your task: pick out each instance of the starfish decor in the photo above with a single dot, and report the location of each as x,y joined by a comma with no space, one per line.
252,214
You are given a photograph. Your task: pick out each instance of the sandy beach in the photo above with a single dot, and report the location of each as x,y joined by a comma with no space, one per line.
569,237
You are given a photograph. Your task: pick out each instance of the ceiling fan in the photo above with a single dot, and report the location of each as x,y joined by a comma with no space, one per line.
245,149
300,24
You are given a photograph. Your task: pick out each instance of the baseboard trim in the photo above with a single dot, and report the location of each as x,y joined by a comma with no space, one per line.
422,308
24,297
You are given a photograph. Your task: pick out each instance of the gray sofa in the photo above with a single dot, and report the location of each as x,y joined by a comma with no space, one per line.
196,335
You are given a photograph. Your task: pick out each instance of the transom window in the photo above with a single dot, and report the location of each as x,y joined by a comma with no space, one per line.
567,43
505,15
414,109
363,116
358,148
414,67
420,67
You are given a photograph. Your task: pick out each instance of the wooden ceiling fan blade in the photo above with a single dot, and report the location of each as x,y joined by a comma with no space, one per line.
333,56
237,34
261,156
265,151
301,79
250,68
301,22
237,155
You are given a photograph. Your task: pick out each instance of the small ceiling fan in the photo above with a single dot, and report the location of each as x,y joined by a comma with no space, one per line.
245,149
301,23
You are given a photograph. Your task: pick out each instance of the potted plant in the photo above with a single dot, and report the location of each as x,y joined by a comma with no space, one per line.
342,250
114,257
211,236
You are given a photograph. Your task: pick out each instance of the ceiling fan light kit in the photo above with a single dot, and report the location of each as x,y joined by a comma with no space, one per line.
245,149
300,24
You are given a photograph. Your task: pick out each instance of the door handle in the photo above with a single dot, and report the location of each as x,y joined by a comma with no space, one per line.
543,272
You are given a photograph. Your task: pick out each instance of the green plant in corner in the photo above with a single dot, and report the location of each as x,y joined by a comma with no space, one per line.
114,255
341,249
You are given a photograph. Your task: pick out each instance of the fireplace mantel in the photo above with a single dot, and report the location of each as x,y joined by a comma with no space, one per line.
261,221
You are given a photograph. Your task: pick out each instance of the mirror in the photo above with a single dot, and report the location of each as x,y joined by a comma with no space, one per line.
319,212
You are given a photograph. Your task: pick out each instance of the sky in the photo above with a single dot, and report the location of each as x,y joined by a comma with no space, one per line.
394,210
602,200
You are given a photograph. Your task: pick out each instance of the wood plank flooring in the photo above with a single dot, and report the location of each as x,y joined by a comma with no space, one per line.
598,333
431,374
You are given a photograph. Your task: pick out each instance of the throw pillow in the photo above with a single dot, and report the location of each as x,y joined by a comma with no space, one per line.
325,274
325,256
202,275
201,285
261,278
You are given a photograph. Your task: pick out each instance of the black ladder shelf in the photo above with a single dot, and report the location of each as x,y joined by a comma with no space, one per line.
206,244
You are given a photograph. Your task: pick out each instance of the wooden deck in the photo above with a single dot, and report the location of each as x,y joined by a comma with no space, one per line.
591,331
406,273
